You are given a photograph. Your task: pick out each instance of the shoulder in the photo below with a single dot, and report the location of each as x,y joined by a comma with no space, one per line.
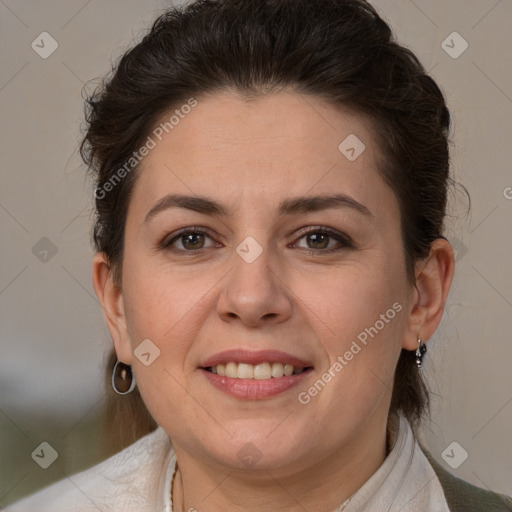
126,481
465,497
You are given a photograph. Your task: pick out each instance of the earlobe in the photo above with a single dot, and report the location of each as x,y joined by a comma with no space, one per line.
111,298
433,280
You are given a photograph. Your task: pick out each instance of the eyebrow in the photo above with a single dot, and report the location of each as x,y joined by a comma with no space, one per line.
295,205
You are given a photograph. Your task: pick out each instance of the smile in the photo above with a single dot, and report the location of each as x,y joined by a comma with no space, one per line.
255,375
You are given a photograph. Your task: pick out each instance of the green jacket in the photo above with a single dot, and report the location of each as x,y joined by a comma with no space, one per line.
461,496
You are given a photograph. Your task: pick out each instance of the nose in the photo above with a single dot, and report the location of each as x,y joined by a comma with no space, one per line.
255,292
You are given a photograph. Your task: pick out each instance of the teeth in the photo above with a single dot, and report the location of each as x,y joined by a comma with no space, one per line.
231,370
245,371
262,371
288,369
277,370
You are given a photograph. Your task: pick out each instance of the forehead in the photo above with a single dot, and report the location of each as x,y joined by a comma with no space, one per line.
260,149
284,123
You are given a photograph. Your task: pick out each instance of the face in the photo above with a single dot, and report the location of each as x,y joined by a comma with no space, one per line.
260,275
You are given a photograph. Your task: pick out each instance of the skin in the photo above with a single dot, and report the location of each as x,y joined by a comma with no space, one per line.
250,155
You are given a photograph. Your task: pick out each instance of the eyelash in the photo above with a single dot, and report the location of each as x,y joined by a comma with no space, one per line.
343,239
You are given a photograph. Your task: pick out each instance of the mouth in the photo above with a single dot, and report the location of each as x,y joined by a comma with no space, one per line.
255,375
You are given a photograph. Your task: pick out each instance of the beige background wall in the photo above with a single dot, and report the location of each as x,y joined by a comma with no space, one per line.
53,337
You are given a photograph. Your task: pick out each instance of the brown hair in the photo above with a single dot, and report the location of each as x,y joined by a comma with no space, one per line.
340,50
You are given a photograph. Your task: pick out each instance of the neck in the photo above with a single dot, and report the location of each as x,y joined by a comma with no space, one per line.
322,486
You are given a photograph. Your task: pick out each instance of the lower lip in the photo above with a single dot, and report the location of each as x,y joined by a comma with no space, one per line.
254,389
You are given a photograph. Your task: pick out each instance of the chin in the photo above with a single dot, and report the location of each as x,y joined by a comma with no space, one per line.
257,450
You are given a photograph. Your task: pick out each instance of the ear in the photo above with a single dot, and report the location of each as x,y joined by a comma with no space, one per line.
434,277
111,298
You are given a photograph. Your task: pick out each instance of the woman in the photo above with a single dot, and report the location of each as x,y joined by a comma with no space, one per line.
271,181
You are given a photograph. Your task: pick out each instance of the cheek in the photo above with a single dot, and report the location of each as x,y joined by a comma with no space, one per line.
361,317
157,297
356,297
164,310
168,307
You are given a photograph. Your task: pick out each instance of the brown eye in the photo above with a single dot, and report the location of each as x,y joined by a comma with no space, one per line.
192,241
319,240
187,240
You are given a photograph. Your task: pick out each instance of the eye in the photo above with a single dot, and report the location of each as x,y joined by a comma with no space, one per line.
190,239
318,239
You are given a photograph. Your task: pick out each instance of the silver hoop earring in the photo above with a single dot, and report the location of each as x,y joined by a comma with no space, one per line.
420,352
123,381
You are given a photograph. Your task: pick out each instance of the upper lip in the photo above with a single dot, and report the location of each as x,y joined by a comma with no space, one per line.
254,358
